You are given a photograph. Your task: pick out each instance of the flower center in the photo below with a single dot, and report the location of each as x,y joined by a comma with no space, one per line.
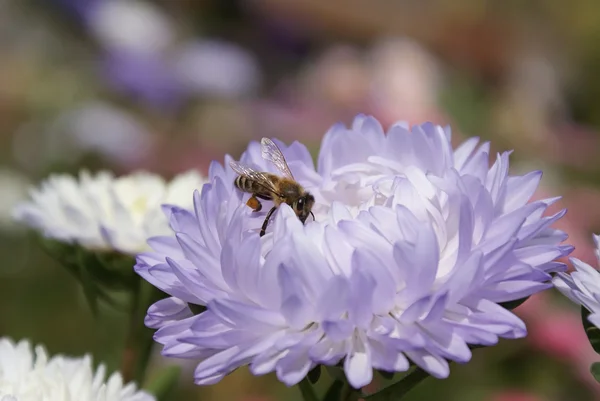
139,205
363,185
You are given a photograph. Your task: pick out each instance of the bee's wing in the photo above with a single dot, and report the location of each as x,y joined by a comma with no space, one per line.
260,178
271,152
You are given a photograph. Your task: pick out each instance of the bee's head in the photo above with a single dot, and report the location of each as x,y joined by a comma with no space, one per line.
303,206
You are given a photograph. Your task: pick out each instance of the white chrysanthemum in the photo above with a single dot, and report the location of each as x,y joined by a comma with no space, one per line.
582,285
29,376
102,212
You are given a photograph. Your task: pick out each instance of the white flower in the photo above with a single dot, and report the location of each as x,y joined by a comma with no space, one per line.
102,212
582,286
29,376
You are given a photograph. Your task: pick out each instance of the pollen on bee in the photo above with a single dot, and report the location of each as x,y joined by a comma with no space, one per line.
254,204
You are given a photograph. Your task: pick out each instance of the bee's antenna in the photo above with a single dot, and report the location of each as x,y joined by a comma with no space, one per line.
311,213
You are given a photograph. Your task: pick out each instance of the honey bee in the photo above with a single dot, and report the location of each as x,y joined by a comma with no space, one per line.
267,186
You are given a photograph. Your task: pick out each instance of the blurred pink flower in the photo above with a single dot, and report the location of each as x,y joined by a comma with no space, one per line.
560,334
405,81
556,332
339,78
396,79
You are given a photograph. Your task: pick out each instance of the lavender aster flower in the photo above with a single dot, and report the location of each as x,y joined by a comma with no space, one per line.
582,286
144,75
413,248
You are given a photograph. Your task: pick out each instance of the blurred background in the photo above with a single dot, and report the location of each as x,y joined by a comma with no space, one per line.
168,85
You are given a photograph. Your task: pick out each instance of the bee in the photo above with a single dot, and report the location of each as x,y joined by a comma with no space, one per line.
267,186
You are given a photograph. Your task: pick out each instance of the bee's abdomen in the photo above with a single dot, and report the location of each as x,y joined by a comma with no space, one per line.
254,187
249,185
244,183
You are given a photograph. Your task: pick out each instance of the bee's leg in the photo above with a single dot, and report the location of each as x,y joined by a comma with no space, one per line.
254,203
266,223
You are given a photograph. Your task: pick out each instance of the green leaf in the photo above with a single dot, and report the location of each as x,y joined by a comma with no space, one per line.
89,288
111,272
595,369
386,375
93,286
139,341
510,305
110,269
315,374
164,385
62,253
117,268
336,372
97,272
592,332
399,389
334,392
196,309
307,391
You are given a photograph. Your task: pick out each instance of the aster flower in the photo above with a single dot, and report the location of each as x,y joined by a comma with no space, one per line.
101,212
413,248
146,76
27,375
582,286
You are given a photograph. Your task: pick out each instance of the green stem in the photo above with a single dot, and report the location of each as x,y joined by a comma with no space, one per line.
308,393
139,342
400,388
340,389
349,393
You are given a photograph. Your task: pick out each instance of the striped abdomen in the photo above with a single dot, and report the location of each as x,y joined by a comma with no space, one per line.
249,185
